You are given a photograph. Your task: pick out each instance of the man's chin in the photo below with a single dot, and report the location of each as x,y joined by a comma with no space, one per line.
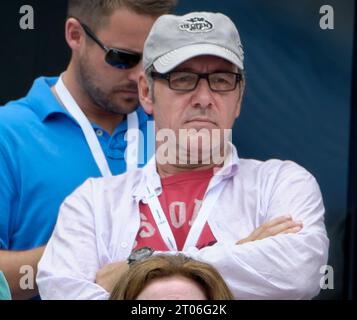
125,107
199,125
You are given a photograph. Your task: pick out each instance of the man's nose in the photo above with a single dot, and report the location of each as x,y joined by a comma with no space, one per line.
202,95
133,73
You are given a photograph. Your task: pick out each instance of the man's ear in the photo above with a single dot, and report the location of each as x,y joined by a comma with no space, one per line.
74,34
145,95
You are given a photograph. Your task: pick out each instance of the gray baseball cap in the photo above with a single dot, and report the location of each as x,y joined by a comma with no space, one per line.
175,39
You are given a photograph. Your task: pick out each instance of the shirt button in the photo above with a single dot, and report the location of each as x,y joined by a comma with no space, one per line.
99,132
124,244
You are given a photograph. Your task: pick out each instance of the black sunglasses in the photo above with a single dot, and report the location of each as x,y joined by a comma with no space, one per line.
118,58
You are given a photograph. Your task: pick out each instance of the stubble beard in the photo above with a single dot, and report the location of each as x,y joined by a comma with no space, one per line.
105,100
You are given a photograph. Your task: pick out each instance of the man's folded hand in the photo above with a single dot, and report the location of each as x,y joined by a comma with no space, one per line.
280,225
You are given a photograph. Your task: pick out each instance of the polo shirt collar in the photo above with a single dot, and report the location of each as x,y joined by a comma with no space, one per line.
42,100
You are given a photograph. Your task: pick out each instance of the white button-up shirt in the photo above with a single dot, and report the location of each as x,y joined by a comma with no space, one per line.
98,224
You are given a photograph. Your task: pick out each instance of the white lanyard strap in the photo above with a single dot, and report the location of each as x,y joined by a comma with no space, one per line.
198,225
160,218
132,138
91,138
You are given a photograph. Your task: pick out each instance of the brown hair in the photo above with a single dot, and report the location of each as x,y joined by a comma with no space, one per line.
141,273
93,12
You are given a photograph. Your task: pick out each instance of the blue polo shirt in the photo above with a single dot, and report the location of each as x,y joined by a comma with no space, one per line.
43,157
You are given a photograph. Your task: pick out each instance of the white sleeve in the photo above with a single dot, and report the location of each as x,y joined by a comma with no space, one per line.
284,266
69,264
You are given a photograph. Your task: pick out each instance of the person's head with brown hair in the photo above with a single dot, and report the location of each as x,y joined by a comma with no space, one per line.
106,38
166,277
96,12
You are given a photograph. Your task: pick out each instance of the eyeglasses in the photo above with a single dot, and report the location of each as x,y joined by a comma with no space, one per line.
188,81
118,58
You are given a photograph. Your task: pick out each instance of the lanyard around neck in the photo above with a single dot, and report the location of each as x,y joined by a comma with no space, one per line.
163,225
90,136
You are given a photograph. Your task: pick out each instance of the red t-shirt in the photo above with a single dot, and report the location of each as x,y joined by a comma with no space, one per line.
181,199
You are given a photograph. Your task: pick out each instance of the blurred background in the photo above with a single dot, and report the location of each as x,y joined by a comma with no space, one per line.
299,100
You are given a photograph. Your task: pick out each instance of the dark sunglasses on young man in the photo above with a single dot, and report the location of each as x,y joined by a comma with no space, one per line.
118,58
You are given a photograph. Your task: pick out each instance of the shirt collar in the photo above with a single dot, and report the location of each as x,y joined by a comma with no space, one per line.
42,100
149,173
123,126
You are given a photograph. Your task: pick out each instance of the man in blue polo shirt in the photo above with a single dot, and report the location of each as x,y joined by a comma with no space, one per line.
72,127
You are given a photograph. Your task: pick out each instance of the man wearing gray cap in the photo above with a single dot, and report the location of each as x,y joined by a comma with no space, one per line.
195,196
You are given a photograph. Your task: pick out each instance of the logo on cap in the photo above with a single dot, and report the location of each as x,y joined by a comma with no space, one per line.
196,24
